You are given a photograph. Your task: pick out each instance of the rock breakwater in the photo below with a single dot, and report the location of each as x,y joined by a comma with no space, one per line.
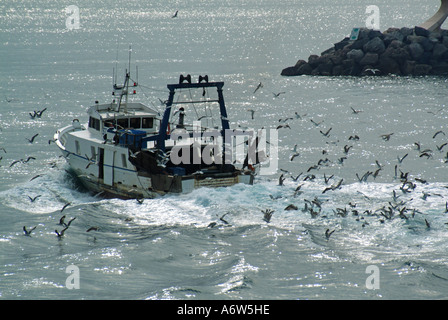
400,51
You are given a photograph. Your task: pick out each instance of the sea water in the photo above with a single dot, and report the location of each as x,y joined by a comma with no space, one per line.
215,243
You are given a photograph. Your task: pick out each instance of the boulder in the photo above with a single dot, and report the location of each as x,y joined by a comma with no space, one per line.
289,72
445,41
416,50
313,60
408,67
305,69
369,59
376,45
399,54
341,44
419,31
439,50
325,69
405,31
426,44
387,65
355,54
337,70
358,44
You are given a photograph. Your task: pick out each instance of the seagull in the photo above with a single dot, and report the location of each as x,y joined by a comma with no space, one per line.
32,138
291,207
60,235
260,85
175,14
222,218
355,111
283,126
386,137
267,215
400,160
280,180
28,232
34,199
347,149
373,71
39,113
438,132
68,224
202,117
61,221
93,229
333,187
65,206
326,133
28,159
277,94
298,116
328,233
294,155
441,147
36,176
91,161
341,160
14,162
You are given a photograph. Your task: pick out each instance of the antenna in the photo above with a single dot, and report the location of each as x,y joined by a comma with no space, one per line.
130,51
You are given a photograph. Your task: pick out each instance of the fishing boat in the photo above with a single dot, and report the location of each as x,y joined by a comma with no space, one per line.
129,150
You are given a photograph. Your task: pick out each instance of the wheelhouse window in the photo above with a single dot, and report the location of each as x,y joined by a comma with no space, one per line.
134,123
147,123
122,123
94,123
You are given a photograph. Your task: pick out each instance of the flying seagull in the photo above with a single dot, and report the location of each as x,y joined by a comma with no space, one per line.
260,85
277,94
328,233
28,232
32,138
267,214
61,234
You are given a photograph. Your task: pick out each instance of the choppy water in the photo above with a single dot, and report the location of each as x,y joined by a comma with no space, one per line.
165,248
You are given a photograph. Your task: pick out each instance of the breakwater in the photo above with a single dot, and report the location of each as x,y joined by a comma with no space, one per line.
400,51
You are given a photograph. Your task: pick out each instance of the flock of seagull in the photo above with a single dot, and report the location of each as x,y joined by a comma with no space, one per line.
64,225
393,209
396,207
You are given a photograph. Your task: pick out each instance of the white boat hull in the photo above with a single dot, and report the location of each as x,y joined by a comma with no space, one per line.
106,169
